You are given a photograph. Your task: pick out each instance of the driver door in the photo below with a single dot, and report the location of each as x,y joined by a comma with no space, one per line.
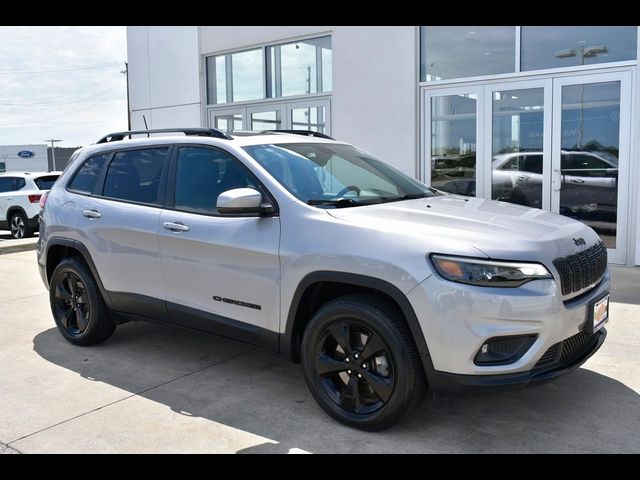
221,272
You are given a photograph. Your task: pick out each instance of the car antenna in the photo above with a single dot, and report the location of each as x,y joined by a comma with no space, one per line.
146,127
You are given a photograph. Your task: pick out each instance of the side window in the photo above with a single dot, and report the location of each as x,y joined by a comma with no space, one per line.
11,184
135,175
85,179
202,174
6,184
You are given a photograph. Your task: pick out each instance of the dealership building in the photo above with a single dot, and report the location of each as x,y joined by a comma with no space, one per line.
23,158
540,116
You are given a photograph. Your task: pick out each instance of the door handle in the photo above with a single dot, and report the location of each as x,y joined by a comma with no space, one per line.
176,226
577,180
92,214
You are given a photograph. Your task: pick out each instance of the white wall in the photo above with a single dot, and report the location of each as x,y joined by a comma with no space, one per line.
14,163
164,79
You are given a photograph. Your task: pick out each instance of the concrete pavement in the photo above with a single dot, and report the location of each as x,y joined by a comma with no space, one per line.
156,388
9,245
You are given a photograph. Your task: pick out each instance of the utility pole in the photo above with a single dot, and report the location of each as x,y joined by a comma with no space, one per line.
125,72
53,150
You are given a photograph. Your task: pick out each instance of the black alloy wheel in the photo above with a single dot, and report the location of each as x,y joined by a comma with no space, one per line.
77,305
19,226
71,306
354,365
360,362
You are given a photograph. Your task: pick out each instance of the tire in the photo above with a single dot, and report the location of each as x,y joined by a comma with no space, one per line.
379,352
19,226
77,305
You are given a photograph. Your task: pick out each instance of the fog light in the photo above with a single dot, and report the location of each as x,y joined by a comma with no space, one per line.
504,350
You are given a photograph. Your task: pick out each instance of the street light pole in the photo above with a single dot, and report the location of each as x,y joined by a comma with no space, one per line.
125,72
53,150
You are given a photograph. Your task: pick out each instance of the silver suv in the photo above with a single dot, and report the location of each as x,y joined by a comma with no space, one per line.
381,286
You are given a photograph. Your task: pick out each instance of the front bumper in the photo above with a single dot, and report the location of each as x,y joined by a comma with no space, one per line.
456,320
450,383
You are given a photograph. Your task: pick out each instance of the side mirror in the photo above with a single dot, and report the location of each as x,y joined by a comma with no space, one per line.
242,201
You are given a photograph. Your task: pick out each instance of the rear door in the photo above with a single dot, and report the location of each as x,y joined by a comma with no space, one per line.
118,221
221,273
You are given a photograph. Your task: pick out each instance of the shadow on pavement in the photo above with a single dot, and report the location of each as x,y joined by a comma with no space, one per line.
265,394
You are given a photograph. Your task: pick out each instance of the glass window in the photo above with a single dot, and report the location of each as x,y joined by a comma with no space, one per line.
456,52
3,167
135,175
269,120
45,183
300,67
453,143
86,178
228,122
247,68
336,175
203,174
217,80
553,47
9,184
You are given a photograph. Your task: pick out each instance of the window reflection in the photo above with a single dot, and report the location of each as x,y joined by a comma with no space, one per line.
453,143
299,68
589,161
266,120
309,118
517,144
455,52
553,47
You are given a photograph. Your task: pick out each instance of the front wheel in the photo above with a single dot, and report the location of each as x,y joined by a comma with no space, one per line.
360,363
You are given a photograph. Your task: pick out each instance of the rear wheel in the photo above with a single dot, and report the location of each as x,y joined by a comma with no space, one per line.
19,226
360,363
77,306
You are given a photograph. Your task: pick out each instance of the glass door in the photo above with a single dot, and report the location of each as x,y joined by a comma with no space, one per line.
590,157
313,115
452,132
518,144
266,117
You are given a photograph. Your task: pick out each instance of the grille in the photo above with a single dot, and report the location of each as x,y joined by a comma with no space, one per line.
567,350
582,269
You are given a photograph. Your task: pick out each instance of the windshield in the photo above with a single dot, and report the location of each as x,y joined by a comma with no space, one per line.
336,175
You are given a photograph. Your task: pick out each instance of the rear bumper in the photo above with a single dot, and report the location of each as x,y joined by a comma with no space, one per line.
451,383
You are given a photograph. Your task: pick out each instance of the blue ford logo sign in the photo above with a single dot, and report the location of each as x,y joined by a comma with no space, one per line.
25,154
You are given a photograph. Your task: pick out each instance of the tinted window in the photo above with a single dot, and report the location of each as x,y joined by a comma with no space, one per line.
11,184
45,183
203,174
87,176
135,175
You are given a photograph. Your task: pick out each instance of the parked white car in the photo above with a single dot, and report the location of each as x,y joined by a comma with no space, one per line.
20,195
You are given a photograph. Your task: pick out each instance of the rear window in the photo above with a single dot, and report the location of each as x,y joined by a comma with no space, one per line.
135,175
45,183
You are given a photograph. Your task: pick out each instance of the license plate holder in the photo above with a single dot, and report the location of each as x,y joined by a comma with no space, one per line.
598,313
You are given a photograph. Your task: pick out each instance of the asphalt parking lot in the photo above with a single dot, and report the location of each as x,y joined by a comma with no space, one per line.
156,388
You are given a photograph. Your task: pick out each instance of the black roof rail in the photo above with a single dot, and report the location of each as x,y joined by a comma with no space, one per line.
201,132
308,133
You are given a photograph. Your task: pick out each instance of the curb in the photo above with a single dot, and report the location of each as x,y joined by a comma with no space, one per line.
17,248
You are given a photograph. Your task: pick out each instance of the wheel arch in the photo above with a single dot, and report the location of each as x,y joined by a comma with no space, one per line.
13,209
308,292
59,248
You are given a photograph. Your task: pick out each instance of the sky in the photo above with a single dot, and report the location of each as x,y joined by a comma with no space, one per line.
63,83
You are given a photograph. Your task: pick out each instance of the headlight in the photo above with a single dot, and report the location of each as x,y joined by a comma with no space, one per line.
488,273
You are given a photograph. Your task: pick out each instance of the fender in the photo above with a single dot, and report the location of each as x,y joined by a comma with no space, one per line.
86,256
286,339
10,210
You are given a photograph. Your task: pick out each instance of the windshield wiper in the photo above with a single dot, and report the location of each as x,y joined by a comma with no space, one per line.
408,196
337,202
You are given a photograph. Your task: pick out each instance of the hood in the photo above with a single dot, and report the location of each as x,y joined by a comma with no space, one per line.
500,230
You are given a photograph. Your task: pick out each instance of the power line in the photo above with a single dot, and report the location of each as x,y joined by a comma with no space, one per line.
53,70
55,102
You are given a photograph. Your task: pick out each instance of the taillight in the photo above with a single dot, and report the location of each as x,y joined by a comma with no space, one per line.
34,198
42,198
